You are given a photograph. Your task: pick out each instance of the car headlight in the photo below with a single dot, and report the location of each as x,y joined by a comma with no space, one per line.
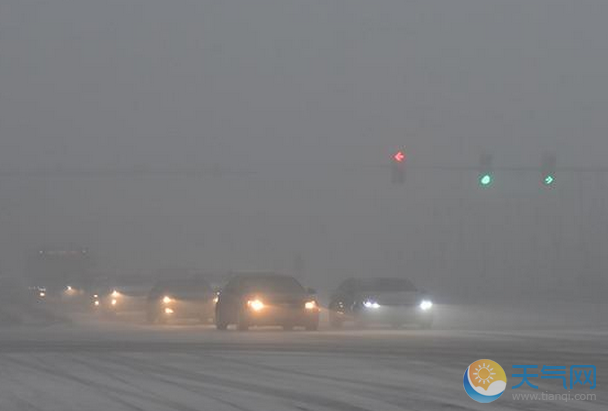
255,305
167,299
371,304
96,303
168,311
115,293
42,294
216,299
114,301
310,305
426,305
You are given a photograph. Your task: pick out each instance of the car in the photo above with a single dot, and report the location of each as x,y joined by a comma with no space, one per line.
125,295
264,299
37,293
183,299
389,301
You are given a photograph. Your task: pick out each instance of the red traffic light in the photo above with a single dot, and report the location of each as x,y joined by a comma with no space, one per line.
399,156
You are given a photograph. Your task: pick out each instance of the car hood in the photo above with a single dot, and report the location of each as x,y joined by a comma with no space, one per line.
391,297
280,298
132,290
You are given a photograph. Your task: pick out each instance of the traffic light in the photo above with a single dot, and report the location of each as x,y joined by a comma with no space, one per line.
548,169
398,168
486,177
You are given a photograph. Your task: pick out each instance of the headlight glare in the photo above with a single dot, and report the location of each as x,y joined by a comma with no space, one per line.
426,305
371,304
255,305
310,305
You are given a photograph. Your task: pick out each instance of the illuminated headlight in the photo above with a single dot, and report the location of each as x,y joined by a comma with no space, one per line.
95,296
216,299
115,293
168,311
96,303
310,305
42,294
167,299
426,305
68,288
371,304
255,305
114,301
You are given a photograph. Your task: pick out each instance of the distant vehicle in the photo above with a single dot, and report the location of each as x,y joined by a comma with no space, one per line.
98,293
126,294
390,301
62,273
266,299
184,299
37,293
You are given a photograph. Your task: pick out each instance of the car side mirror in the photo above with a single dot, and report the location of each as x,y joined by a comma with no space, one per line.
311,291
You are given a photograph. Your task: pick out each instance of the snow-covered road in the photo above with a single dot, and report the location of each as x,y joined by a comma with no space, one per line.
116,366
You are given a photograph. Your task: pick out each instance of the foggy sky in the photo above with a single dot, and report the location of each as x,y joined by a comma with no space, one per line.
297,93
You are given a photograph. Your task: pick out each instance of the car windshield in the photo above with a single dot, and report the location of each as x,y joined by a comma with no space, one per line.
186,290
276,284
386,285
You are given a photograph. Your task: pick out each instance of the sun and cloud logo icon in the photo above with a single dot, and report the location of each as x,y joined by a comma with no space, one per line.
484,381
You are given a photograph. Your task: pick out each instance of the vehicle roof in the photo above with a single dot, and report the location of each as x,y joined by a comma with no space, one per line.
368,281
182,283
260,275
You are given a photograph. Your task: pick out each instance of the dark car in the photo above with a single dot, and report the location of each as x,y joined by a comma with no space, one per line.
183,299
391,301
266,299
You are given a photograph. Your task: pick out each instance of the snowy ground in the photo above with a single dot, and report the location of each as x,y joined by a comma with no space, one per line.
96,365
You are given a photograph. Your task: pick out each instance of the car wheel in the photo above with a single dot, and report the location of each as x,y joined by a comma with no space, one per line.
241,324
220,324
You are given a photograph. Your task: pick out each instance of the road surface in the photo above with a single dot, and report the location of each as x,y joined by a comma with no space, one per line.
96,365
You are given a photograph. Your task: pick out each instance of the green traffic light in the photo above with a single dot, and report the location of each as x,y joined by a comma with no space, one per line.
485,180
548,180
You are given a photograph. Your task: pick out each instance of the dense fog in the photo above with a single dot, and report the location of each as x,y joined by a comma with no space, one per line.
226,136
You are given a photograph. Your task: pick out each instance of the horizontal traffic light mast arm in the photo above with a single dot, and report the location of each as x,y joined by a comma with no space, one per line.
518,168
213,170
